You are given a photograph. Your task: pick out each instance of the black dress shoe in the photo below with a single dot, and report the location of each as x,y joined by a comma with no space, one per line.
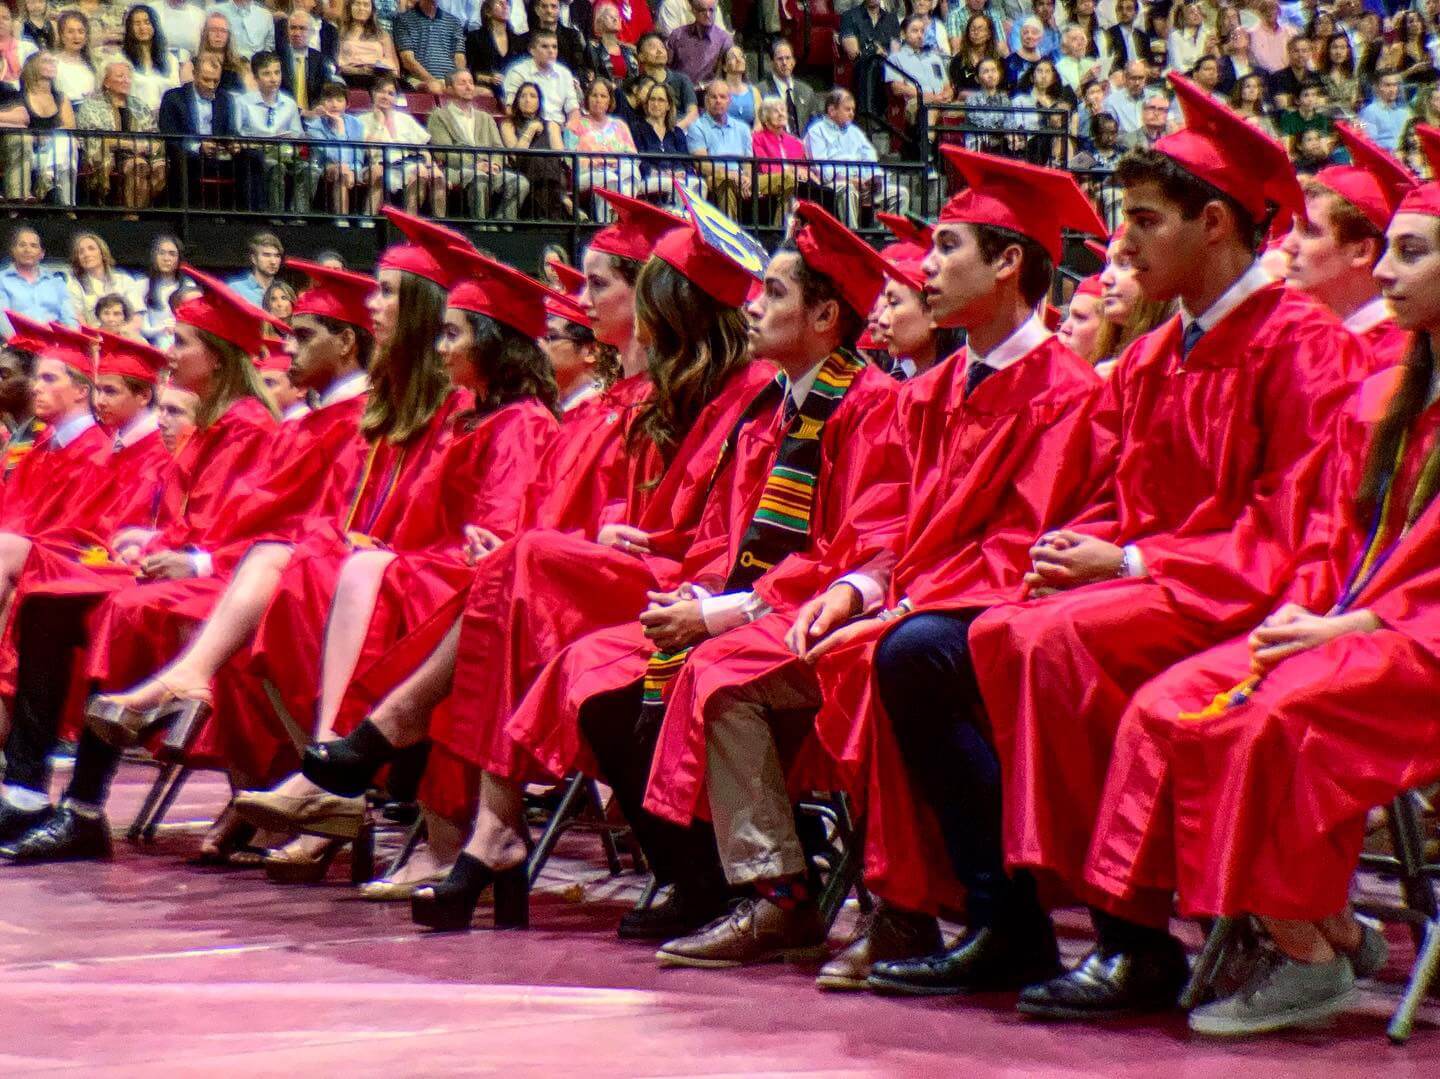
677,915
65,837
16,822
985,960
1108,987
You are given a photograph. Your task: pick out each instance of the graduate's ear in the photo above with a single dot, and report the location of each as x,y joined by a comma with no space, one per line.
825,316
1219,221
1006,265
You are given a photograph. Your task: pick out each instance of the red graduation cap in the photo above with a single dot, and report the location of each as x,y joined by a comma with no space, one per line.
705,265
908,229
637,227
501,292
75,348
430,244
903,258
1374,182
565,307
337,294
1051,316
29,335
1089,286
827,246
1036,202
1425,199
1218,146
571,279
225,313
129,358
1099,250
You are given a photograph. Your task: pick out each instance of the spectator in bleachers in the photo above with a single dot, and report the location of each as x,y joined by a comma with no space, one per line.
430,43
935,36
744,97
569,42
103,19
924,64
1026,54
267,254
598,130
364,50
672,15
1154,121
1270,37
409,171
1094,99
801,102
38,26
50,157
1425,109
93,274
1103,137
1052,109
324,35
1385,117
555,80
1235,59
162,277
527,127
715,134
75,74
781,182
868,34
269,112
1417,63
1337,71
340,165
654,59
1075,66
303,71
181,23
252,26
1189,39
460,123
1309,114
1043,12
696,49
655,132
28,289
466,12
14,49
137,164
279,300
113,314
988,109
492,45
978,43
1125,103
607,53
153,67
1125,39
836,137
1206,75
217,41
1248,99
1285,84
1310,152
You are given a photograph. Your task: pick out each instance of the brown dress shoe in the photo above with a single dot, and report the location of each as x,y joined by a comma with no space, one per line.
756,931
885,933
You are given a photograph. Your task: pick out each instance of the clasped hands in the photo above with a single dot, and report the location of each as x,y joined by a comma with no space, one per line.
1063,559
674,621
1293,629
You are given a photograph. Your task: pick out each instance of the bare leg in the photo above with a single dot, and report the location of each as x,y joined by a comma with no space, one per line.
350,613
436,855
499,836
1301,941
1342,931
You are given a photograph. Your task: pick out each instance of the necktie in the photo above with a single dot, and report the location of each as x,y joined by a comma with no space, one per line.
1193,333
119,443
788,409
975,374
791,111
301,97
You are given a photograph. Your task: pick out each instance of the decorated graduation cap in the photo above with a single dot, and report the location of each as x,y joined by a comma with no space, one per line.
500,292
1425,198
225,313
1374,183
429,246
904,256
1217,145
828,247
713,252
129,358
637,227
571,280
1035,202
29,334
75,348
337,294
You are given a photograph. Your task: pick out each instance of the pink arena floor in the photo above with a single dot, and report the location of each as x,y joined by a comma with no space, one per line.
146,966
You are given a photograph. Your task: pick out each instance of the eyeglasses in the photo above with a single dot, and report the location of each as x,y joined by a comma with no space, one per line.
555,338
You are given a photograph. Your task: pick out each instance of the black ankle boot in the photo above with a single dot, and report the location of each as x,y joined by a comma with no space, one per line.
347,765
450,905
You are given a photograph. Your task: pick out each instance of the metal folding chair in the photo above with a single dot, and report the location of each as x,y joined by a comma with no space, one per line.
580,806
833,847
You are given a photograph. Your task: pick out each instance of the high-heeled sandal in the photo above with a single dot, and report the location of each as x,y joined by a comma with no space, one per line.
228,843
347,766
123,727
450,905
285,867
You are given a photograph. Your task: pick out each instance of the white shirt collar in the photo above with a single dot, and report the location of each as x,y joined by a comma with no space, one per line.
1030,336
1245,286
142,425
1369,316
586,391
67,431
800,388
345,389
295,411
906,365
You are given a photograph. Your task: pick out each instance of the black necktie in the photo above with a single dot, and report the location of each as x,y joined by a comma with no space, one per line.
791,112
975,374
1191,337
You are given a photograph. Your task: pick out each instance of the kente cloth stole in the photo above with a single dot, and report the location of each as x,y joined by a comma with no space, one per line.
781,524
1381,542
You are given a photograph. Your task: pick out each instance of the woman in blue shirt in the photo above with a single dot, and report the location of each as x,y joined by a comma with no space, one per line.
655,133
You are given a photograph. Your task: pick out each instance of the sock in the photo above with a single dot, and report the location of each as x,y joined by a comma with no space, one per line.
787,894
23,798
1117,935
87,810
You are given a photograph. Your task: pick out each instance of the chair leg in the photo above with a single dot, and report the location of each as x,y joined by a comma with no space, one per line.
1222,934
362,854
569,804
172,792
413,836
152,799
1422,974
607,835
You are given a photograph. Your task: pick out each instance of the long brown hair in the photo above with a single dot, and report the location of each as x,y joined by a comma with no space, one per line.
407,380
235,377
695,346
1412,396
1115,338
513,366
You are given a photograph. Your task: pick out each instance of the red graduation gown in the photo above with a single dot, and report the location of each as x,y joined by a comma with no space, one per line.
42,492
1384,343
861,454
531,598
1216,472
1198,805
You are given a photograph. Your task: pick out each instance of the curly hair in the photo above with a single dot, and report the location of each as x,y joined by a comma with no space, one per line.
513,366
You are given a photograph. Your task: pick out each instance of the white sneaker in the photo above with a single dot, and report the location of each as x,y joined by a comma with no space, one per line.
1283,992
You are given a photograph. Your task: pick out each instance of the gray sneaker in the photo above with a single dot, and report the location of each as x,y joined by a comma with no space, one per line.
1372,955
1282,993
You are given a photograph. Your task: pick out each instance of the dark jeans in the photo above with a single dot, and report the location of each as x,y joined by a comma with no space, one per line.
927,684
685,857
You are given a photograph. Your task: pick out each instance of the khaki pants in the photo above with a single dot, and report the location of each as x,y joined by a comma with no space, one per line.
749,804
